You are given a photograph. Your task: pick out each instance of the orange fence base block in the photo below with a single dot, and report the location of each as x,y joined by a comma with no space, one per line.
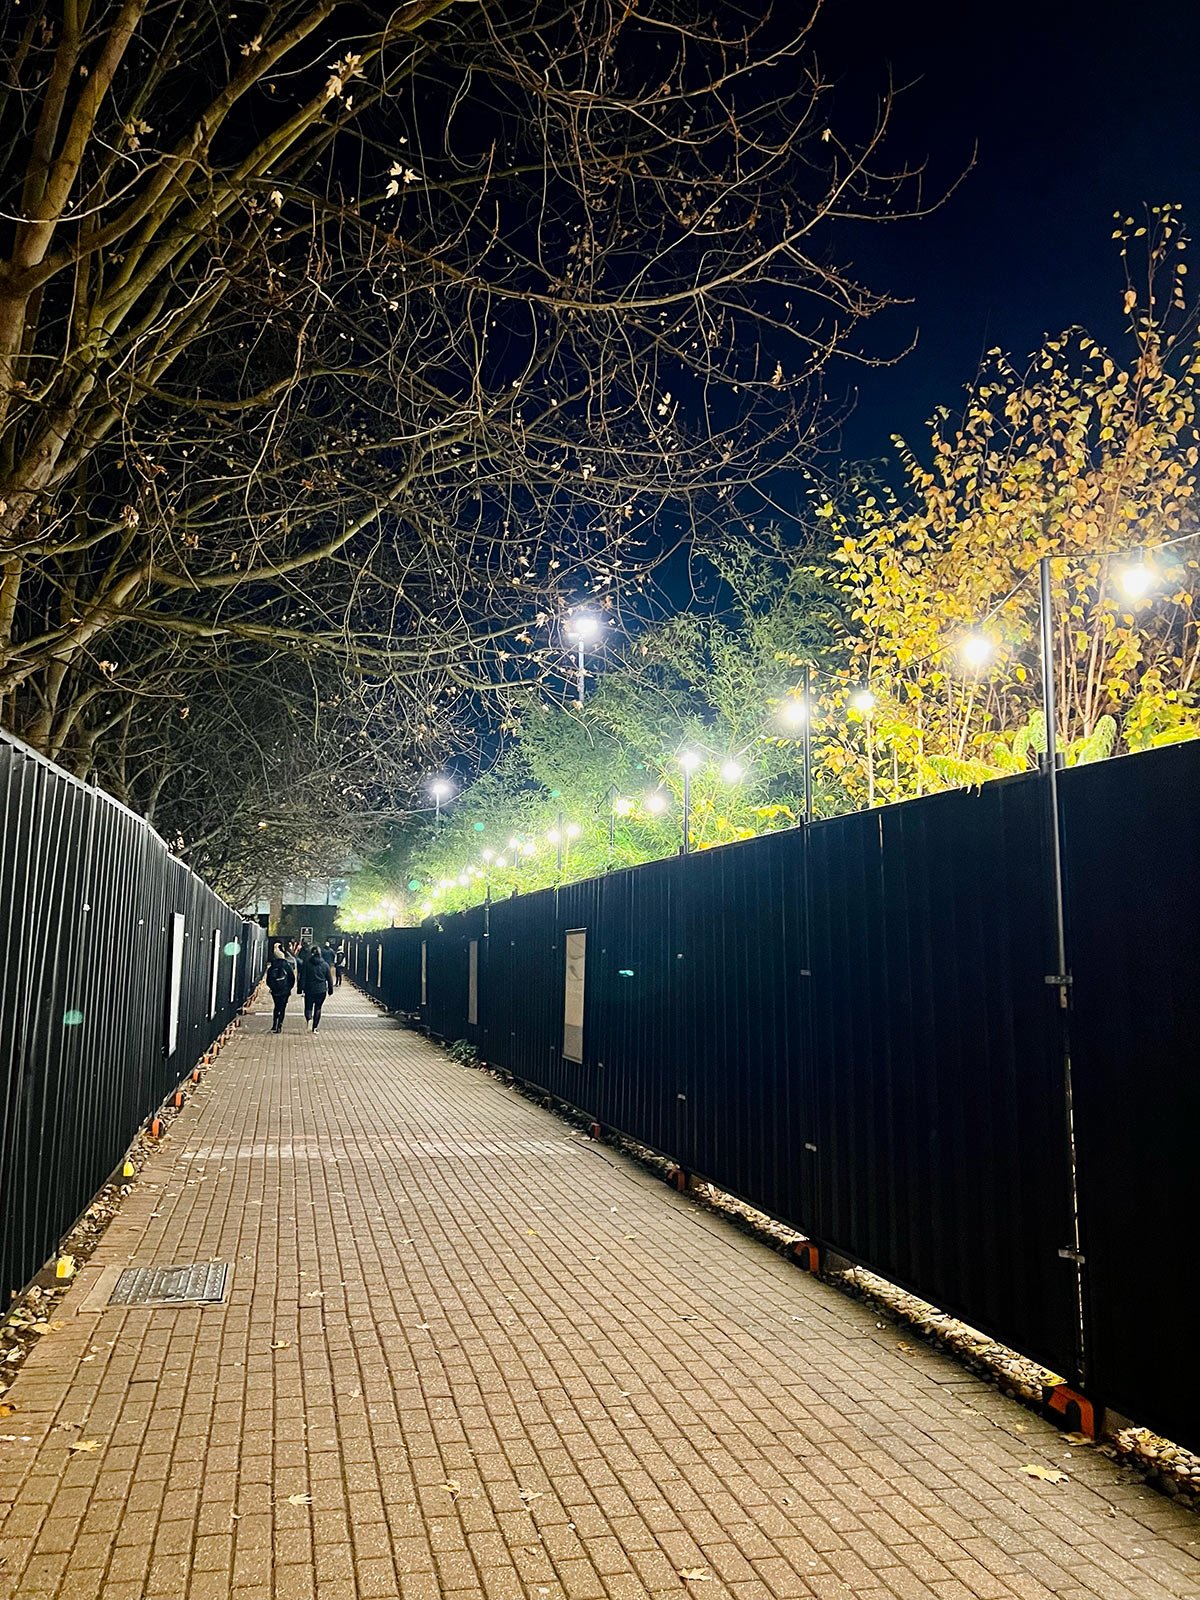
596,1131
1068,1409
178,1102
677,1178
807,1255
155,1127
195,1074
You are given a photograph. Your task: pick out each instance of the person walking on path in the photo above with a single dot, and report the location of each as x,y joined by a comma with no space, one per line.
339,965
281,980
316,979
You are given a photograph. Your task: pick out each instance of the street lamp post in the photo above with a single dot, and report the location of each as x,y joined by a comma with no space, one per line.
583,629
688,761
806,745
864,703
441,790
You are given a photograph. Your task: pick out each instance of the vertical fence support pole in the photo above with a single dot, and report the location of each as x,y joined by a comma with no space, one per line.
1060,978
806,745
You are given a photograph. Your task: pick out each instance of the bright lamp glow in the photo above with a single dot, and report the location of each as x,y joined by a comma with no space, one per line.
441,788
1135,580
656,802
501,863
863,701
572,830
445,883
463,880
977,649
527,848
689,760
584,627
794,712
488,855
732,771
553,836
622,805
426,907
514,845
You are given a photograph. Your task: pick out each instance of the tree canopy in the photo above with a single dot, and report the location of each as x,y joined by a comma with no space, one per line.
339,356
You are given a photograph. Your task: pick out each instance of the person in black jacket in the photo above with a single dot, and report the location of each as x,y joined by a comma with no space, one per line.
316,979
281,980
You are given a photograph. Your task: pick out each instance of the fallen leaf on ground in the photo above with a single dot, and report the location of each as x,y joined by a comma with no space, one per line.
84,1445
452,1487
1046,1474
281,1344
695,1575
7,1411
299,1499
531,1494
901,1344
1078,1438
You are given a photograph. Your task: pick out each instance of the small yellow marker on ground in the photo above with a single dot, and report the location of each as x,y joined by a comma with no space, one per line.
65,1267
128,1170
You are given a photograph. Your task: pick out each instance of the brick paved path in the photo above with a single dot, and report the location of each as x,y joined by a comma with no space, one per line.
505,1363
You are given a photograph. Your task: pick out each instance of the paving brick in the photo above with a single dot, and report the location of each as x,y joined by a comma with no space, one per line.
463,1336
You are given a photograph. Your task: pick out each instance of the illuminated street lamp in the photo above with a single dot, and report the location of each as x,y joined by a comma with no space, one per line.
656,802
1136,580
796,712
976,650
732,771
583,629
689,761
441,789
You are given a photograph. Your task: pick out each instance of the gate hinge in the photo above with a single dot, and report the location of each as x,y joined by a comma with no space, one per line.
1068,1253
1059,980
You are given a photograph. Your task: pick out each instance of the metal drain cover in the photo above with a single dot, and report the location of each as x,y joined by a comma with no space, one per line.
171,1286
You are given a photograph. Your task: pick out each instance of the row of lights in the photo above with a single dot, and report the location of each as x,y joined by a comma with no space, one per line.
976,649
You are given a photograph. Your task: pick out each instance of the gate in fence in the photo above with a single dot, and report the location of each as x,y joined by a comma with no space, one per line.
856,1027
120,968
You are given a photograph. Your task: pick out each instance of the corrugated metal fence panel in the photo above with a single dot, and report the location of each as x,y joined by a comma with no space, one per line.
1131,830
86,890
942,1152
519,998
630,1017
742,1021
388,966
448,942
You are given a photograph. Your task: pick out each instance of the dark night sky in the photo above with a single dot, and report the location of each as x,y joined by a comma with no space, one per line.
1077,109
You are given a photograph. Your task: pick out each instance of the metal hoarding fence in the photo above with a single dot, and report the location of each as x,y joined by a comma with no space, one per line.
858,1026
101,1015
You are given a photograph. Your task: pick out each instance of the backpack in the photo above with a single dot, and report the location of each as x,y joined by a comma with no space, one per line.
277,978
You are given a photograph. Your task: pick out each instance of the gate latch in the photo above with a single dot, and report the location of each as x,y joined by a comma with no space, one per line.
1068,1253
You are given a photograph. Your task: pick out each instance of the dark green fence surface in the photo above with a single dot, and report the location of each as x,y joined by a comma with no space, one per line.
850,1025
120,969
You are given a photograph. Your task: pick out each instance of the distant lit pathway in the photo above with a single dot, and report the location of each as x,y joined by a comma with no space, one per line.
505,1363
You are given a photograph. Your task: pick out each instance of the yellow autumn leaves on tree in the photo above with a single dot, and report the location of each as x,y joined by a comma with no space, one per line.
1077,458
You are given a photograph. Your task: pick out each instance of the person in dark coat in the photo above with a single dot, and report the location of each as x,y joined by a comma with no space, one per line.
281,980
316,979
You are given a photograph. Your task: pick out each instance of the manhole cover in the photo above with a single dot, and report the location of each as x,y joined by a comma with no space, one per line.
193,1285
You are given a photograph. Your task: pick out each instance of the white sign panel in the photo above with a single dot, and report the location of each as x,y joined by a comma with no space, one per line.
216,968
576,962
175,968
